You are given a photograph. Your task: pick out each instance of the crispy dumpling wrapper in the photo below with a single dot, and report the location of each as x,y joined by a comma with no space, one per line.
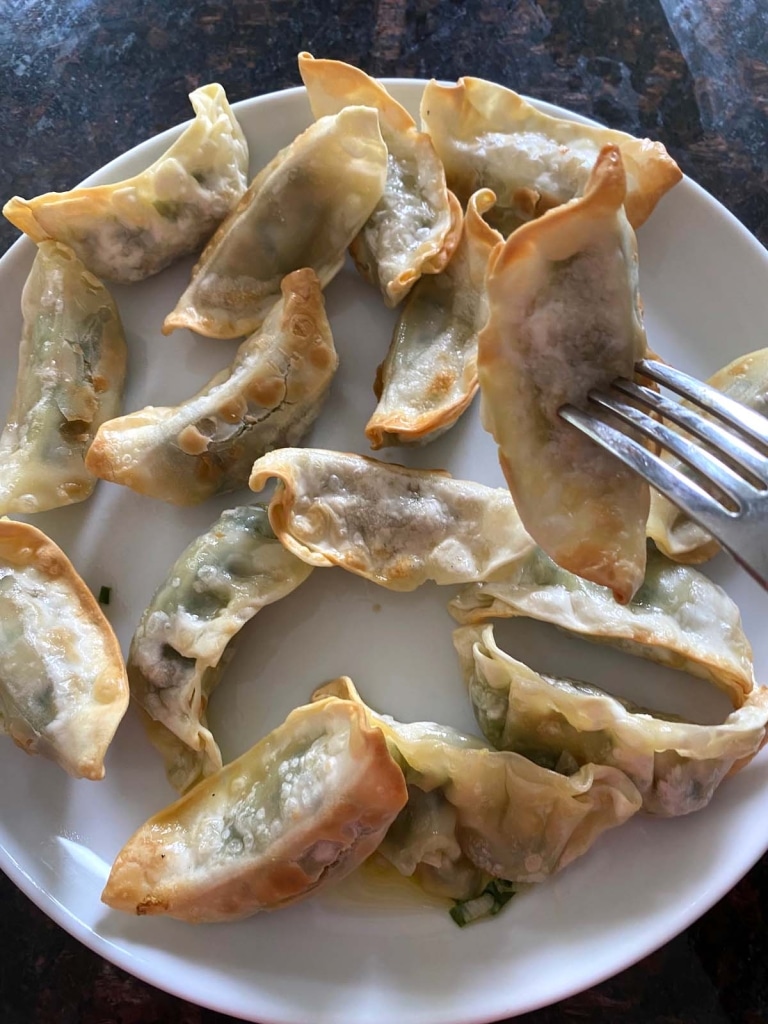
300,810
70,378
395,526
429,377
63,687
492,811
746,381
679,617
267,398
415,226
676,765
565,318
185,637
302,210
130,230
490,137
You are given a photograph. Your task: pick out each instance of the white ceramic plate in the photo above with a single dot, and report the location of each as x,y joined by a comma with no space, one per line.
366,954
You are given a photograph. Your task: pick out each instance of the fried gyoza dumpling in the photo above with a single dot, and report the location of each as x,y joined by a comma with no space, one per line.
565,318
395,526
302,210
430,374
494,814
679,617
299,810
746,381
415,226
489,137
267,398
134,228
70,380
676,765
184,640
63,687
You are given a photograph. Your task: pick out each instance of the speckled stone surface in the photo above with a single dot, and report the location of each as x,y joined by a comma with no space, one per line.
85,80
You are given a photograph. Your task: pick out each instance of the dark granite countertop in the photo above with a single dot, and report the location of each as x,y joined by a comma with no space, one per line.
85,80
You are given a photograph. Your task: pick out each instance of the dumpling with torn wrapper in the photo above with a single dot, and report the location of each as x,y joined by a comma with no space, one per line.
63,686
302,210
474,813
131,229
298,811
415,226
490,137
676,765
267,398
395,526
565,318
186,635
72,361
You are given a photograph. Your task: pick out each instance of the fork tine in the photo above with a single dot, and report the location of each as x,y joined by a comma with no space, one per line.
737,416
727,445
684,492
694,456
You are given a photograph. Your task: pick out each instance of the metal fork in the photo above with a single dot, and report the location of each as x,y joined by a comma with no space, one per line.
730,500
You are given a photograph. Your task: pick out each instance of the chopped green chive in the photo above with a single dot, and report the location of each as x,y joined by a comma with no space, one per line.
467,911
104,595
491,900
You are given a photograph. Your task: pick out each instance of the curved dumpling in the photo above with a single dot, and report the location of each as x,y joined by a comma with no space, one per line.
430,374
495,812
489,137
745,380
415,226
302,210
299,810
70,380
565,318
184,640
63,687
134,228
679,617
267,398
676,765
395,526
